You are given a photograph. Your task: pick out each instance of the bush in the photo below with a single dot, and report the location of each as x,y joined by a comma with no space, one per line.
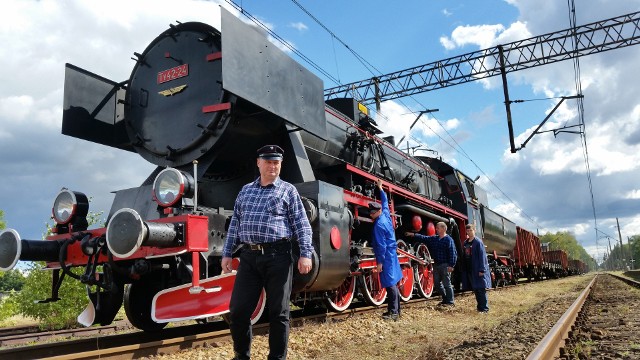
8,306
53,315
37,286
11,280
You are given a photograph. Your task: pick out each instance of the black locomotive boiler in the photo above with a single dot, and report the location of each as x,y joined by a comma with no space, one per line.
198,104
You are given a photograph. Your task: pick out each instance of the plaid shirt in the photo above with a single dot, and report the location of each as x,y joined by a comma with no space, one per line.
442,250
264,214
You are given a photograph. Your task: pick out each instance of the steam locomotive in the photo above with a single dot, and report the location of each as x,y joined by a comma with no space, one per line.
198,104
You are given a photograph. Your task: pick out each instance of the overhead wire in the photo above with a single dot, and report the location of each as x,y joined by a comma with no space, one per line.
583,133
369,67
468,157
366,64
361,59
457,146
282,41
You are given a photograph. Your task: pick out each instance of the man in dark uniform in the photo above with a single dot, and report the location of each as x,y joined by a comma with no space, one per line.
385,248
268,213
478,276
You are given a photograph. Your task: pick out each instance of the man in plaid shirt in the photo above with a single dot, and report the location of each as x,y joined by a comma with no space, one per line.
268,213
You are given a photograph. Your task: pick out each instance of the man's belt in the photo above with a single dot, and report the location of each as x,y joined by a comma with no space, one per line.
265,246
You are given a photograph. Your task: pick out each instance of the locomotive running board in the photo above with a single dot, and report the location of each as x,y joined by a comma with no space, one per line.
179,303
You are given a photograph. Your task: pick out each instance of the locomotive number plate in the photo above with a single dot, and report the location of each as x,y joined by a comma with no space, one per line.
173,73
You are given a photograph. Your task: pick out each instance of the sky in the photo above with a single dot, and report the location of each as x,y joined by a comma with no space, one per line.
543,187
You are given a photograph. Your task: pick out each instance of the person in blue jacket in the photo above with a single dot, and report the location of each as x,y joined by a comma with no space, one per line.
384,247
478,276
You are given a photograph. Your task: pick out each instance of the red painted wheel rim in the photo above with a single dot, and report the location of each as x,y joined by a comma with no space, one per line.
374,288
342,297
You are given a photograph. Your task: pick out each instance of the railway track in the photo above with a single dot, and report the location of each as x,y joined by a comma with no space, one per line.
607,325
203,336
601,324
101,345
18,330
21,335
138,344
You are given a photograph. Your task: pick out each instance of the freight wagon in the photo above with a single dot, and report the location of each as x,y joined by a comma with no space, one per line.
527,255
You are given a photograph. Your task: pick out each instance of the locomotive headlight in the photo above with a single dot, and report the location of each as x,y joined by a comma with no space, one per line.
69,204
171,185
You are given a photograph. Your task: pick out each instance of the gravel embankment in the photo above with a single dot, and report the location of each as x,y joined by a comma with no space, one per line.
519,318
609,324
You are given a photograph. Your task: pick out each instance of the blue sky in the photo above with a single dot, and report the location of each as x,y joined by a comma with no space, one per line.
546,180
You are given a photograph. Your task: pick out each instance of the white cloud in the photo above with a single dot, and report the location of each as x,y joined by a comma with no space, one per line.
16,108
447,43
484,36
38,38
300,26
429,133
633,194
548,178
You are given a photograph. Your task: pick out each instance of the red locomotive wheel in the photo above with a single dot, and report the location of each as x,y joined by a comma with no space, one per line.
341,298
372,291
424,273
405,285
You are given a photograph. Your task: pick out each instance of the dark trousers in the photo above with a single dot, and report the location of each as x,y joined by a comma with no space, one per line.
481,299
272,271
442,280
393,300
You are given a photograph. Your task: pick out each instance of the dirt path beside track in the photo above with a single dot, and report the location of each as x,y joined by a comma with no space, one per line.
519,318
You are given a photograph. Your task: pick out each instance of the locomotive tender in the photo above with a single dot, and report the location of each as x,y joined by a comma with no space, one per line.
198,103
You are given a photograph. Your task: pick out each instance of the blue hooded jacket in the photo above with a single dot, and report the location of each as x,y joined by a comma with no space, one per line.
479,263
384,245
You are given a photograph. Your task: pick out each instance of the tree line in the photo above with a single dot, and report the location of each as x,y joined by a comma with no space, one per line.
625,257
564,240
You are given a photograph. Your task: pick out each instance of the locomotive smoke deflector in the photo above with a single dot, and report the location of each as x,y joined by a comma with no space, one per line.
276,82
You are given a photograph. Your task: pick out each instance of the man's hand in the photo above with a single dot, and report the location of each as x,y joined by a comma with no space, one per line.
379,184
304,265
449,269
379,267
226,265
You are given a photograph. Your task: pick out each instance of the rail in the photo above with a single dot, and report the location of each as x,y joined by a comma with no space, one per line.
550,345
627,280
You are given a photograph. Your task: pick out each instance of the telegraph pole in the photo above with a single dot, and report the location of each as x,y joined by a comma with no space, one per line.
632,260
621,248
609,258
